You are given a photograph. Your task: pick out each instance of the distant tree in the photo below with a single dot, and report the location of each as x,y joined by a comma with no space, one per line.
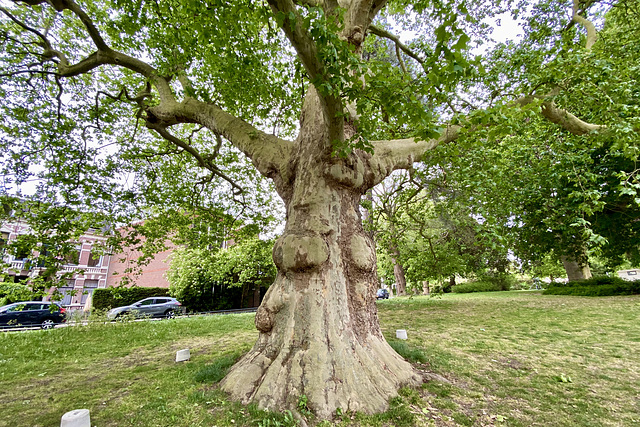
207,279
425,231
248,266
190,280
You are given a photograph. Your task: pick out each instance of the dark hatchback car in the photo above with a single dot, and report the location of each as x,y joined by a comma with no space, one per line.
31,313
382,294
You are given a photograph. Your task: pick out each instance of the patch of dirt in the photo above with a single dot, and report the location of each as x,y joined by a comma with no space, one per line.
513,364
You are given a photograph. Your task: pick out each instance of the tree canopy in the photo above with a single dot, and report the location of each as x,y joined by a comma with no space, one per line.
126,109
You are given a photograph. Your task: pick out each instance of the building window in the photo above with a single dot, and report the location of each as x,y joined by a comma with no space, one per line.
89,287
72,258
95,260
67,292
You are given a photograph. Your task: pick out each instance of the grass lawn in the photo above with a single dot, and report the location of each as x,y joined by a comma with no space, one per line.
503,358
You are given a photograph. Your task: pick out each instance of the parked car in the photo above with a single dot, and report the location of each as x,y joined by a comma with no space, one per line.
382,294
29,313
149,307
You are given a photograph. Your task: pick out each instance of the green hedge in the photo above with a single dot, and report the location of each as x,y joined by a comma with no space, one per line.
465,288
116,297
595,287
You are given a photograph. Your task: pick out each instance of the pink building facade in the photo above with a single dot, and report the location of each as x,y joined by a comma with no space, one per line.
151,275
89,267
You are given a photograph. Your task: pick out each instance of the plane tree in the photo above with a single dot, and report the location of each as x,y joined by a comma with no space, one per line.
201,100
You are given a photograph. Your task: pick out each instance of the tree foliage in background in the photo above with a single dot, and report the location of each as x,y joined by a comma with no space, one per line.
426,227
211,279
573,194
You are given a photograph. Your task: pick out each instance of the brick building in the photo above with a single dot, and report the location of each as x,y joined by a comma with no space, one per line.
89,268
151,275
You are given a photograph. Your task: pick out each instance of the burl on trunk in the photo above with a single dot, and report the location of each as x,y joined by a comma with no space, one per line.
319,330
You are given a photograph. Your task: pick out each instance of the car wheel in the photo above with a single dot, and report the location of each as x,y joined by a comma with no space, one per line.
47,324
170,314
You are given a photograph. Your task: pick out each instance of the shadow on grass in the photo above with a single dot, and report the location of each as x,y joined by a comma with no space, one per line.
410,353
214,372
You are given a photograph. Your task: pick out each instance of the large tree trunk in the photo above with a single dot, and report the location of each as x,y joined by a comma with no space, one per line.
318,323
575,270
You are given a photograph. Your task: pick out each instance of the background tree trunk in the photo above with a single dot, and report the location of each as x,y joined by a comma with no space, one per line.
398,274
398,269
575,270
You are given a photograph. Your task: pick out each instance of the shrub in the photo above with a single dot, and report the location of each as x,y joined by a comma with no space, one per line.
502,281
600,281
595,287
116,297
465,288
14,292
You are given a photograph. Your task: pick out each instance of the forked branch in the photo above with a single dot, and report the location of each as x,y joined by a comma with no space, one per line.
267,152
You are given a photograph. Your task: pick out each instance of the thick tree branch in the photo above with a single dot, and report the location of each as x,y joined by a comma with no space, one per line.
299,38
270,154
561,117
307,51
361,15
391,155
381,32
592,33
87,22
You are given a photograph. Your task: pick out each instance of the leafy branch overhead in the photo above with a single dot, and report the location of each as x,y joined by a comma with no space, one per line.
327,41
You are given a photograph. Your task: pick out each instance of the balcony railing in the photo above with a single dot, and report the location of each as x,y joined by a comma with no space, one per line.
87,270
21,265
17,265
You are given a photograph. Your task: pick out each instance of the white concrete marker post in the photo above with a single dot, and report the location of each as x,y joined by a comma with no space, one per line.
76,418
183,355
401,334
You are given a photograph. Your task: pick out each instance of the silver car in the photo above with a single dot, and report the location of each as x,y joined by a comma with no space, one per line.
149,307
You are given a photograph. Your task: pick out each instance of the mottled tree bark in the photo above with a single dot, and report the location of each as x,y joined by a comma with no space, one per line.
318,323
575,270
